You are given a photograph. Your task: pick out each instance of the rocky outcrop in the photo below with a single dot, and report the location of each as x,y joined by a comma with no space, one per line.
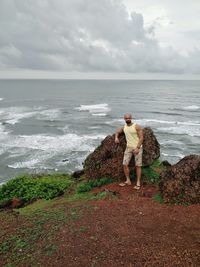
106,160
181,182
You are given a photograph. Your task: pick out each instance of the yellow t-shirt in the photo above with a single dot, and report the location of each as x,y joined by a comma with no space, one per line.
131,135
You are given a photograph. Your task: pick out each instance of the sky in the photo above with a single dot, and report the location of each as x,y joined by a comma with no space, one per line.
99,38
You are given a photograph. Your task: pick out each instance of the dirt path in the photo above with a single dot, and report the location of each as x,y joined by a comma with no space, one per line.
129,230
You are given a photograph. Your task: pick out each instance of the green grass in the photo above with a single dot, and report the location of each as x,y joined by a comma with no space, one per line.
150,173
158,198
88,185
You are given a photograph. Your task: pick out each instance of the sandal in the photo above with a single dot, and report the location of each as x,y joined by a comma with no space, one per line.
124,184
137,187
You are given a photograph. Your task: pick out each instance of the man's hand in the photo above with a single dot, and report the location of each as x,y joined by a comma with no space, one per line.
136,151
116,140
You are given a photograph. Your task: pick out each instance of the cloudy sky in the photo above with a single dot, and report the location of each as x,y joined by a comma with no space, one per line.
100,36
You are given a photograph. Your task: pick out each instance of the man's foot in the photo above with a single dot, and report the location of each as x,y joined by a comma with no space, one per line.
125,183
137,187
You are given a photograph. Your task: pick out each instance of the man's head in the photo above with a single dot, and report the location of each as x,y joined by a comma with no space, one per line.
128,118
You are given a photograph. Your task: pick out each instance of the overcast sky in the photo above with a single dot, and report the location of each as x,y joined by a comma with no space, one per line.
100,36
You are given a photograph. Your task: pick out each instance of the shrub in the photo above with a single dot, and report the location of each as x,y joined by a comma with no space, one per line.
28,188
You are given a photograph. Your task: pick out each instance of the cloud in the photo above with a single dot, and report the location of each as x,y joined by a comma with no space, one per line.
84,36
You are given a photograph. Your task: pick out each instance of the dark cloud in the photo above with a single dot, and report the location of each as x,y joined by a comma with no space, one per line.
83,35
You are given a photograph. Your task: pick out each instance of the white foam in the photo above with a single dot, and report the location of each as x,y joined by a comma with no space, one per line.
50,114
94,127
178,155
94,109
191,108
155,121
3,132
115,122
38,149
191,131
1,98
99,114
172,142
13,115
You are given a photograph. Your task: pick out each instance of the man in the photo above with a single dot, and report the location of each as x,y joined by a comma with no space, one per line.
134,138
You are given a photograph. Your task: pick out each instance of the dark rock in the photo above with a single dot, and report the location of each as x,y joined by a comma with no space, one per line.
77,174
180,183
106,160
65,160
166,163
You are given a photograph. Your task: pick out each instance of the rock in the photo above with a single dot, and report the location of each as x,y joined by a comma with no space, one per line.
77,174
166,163
106,160
180,183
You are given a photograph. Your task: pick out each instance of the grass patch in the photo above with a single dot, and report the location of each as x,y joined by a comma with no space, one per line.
152,173
158,198
88,185
87,196
27,187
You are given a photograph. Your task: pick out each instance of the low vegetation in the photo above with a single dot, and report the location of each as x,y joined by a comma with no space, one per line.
27,187
152,173
88,185
48,186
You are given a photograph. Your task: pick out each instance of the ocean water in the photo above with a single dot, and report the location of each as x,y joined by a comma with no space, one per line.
52,125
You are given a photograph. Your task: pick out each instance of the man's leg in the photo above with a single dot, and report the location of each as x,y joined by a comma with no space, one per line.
138,168
138,174
126,160
127,174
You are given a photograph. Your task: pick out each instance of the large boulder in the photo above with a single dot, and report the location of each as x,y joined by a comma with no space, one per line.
106,160
180,183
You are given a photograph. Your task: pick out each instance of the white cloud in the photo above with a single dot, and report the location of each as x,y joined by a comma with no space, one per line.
90,36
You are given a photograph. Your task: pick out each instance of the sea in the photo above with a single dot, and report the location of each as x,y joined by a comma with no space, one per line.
52,125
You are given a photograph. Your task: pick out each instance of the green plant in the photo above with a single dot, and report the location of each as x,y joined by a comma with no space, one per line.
27,187
158,198
150,174
87,186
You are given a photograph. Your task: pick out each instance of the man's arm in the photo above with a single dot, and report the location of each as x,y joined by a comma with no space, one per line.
140,135
117,133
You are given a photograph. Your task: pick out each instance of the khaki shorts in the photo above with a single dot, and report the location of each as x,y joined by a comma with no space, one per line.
128,153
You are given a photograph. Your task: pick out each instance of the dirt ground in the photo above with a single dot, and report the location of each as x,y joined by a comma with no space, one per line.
127,228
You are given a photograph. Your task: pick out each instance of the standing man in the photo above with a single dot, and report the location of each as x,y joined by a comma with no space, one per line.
134,139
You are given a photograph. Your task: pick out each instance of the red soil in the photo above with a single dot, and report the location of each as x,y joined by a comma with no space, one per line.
132,231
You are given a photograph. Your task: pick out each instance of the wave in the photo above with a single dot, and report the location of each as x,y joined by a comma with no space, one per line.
149,122
188,108
172,142
37,150
180,130
1,98
177,155
155,121
51,114
13,115
94,127
94,109
191,108
99,114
